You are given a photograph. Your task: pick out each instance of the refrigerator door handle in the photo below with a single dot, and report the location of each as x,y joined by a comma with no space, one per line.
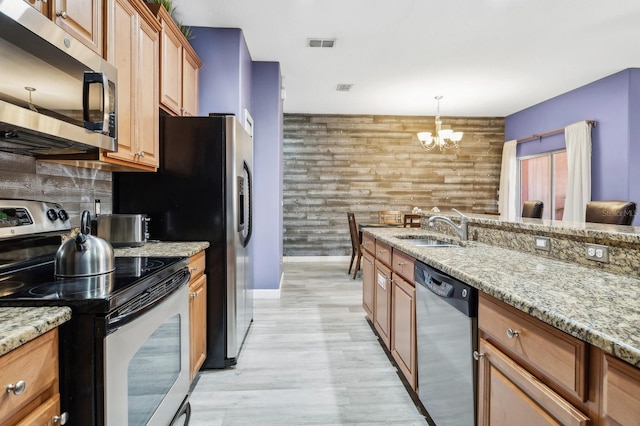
244,238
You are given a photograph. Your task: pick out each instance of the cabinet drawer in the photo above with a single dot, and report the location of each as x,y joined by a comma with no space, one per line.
369,243
383,252
402,264
36,364
559,357
196,265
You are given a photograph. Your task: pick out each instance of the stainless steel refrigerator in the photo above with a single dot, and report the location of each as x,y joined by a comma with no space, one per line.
202,192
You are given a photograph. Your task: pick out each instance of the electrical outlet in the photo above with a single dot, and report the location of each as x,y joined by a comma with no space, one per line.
597,252
542,243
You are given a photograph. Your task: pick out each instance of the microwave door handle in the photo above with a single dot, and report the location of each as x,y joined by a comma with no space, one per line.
89,79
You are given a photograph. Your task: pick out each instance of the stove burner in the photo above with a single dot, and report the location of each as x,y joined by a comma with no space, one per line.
9,287
137,266
87,287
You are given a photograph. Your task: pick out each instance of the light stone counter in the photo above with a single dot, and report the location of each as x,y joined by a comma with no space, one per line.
163,249
598,307
20,325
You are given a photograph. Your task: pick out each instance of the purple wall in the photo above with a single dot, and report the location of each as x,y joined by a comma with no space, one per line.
268,137
225,76
614,102
231,82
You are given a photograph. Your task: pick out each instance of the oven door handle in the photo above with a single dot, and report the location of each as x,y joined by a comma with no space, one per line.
137,311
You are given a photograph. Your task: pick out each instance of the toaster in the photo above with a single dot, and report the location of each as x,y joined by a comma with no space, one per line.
124,230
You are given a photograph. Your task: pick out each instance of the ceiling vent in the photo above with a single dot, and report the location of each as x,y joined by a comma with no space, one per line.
344,87
321,42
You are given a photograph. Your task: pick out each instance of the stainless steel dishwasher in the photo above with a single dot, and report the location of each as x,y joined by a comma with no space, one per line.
446,322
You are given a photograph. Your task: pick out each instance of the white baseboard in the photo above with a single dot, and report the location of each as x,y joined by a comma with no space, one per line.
293,259
261,293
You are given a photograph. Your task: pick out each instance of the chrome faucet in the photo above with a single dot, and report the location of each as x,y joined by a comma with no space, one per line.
461,229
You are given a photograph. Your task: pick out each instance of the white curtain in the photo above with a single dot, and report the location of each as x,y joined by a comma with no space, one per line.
578,139
507,195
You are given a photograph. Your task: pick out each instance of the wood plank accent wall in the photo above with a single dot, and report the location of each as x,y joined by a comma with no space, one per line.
75,188
366,163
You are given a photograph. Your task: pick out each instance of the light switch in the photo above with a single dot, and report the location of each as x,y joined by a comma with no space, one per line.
542,243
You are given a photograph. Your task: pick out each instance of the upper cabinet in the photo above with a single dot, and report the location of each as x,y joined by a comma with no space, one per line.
133,47
80,18
179,67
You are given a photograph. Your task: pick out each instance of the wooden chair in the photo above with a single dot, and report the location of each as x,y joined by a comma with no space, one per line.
411,220
532,209
356,244
611,212
390,217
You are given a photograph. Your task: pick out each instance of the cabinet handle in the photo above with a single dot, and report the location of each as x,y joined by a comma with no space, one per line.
62,14
194,295
18,388
477,355
193,268
61,419
511,333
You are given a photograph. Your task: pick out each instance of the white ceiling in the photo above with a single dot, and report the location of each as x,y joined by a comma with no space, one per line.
486,57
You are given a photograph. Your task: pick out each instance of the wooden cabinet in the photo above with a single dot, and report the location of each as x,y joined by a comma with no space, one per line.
368,283
557,357
82,19
529,372
509,395
179,68
620,392
32,371
382,302
403,328
133,48
383,252
41,6
197,313
369,243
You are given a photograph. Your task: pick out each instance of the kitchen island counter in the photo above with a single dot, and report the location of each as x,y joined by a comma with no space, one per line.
163,249
18,325
598,307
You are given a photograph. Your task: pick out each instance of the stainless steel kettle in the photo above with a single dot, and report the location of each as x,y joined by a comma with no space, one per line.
84,255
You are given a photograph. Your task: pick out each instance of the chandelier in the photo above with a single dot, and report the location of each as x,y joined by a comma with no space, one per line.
443,139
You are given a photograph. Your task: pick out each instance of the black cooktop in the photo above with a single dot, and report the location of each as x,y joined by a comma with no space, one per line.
37,285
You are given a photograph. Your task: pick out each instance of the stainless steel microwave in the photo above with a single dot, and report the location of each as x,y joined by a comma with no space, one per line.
57,96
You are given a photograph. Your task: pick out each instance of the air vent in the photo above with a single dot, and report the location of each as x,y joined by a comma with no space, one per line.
344,87
321,42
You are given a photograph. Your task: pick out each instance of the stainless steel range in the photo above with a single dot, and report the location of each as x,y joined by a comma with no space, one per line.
124,354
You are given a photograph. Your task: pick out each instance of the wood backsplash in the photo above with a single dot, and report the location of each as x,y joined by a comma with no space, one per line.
366,163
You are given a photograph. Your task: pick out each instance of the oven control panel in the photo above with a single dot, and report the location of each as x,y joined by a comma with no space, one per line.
26,217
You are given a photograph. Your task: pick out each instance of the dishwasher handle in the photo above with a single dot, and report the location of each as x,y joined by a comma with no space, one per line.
441,288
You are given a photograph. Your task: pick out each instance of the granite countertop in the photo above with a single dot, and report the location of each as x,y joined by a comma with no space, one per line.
20,325
163,249
597,307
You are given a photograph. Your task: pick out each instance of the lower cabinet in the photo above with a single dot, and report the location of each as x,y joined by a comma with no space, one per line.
403,328
197,314
368,283
509,395
30,376
382,311
620,392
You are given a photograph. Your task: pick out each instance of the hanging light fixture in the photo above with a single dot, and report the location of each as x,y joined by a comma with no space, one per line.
443,139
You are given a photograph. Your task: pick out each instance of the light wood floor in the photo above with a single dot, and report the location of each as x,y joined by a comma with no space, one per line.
310,358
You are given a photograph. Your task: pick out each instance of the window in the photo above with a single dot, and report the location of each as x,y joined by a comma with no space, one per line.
544,177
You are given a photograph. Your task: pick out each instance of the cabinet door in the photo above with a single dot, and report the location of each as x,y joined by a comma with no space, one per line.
509,395
189,85
147,120
198,324
82,19
122,53
403,328
170,70
382,311
368,283
621,388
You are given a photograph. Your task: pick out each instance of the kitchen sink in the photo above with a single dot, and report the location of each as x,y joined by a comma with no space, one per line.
429,242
